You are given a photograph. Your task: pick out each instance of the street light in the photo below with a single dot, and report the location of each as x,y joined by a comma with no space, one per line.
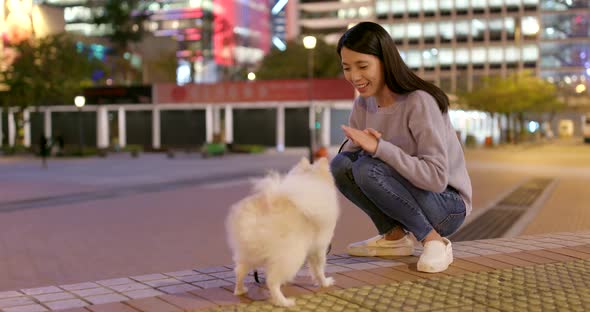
309,43
80,101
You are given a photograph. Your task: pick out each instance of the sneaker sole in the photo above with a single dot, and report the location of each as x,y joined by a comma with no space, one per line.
381,252
437,268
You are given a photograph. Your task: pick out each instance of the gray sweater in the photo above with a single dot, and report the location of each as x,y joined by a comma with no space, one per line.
418,141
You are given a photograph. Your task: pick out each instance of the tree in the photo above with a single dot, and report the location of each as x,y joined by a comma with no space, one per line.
46,71
516,94
292,63
125,21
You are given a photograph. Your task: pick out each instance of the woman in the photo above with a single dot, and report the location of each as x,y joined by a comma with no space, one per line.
403,164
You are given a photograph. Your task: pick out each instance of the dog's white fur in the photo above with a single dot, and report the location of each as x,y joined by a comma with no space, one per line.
287,220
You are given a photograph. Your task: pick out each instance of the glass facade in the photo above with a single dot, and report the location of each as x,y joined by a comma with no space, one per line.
454,43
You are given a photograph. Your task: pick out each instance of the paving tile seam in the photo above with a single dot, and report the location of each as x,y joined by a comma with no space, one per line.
209,277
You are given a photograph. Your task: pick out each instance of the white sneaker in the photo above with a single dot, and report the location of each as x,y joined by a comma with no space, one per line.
436,257
379,246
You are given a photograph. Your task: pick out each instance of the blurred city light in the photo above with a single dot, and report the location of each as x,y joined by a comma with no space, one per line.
251,76
279,43
79,101
309,42
580,88
533,126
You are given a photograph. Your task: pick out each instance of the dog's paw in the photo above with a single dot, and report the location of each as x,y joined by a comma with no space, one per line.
328,281
288,302
238,291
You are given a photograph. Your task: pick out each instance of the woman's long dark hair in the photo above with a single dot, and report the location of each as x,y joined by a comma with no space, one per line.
371,38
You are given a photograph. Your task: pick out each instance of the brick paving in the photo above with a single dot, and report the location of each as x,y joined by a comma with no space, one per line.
211,287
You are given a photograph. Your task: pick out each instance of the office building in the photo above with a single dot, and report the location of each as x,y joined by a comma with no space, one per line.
456,43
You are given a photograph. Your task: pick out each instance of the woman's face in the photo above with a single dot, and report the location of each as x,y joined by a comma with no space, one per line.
363,71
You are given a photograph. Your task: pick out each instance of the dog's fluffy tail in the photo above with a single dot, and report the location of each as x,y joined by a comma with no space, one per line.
269,184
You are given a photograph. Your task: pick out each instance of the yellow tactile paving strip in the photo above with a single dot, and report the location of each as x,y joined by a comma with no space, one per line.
562,286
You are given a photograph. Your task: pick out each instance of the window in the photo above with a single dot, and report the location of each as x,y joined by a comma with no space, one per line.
446,6
428,59
478,55
398,7
530,53
512,5
512,54
414,59
509,27
429,7
495,55
398,31
479,5
530,26
495,29
462,55
495,5
445,56
462,30
461,6
382,7
414,31
414,7
446,31
478,29
430,32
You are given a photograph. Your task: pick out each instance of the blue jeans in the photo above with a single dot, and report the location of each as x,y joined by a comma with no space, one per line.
390,200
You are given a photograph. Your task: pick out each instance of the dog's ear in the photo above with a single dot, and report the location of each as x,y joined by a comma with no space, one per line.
304,162
302,166
322,162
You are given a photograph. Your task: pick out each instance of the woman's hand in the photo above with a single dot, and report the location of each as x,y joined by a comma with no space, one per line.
367,139
373,132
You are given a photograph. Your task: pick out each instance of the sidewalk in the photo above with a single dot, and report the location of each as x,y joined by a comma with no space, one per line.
549,272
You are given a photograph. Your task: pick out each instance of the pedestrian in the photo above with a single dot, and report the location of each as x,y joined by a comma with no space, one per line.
402,163
43,150
59,139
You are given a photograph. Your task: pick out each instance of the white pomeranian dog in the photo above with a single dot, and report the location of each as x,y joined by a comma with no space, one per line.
287,220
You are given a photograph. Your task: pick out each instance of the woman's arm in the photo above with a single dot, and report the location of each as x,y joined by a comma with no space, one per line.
428,169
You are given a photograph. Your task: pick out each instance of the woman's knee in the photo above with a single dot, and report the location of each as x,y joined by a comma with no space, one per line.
340,165
363,170
371,169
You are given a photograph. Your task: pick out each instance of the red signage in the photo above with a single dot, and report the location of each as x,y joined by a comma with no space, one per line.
259,91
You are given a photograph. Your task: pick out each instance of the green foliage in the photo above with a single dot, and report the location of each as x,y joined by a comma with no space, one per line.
213,149
15,150
47,71
162,69
520,92
293,62
125,20
247,148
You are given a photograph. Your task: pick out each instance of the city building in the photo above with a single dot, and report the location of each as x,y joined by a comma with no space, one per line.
456,43
215,39
452,43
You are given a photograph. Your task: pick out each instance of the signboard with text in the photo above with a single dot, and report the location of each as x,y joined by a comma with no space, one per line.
259,91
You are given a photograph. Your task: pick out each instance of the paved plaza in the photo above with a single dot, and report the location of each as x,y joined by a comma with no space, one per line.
126,234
